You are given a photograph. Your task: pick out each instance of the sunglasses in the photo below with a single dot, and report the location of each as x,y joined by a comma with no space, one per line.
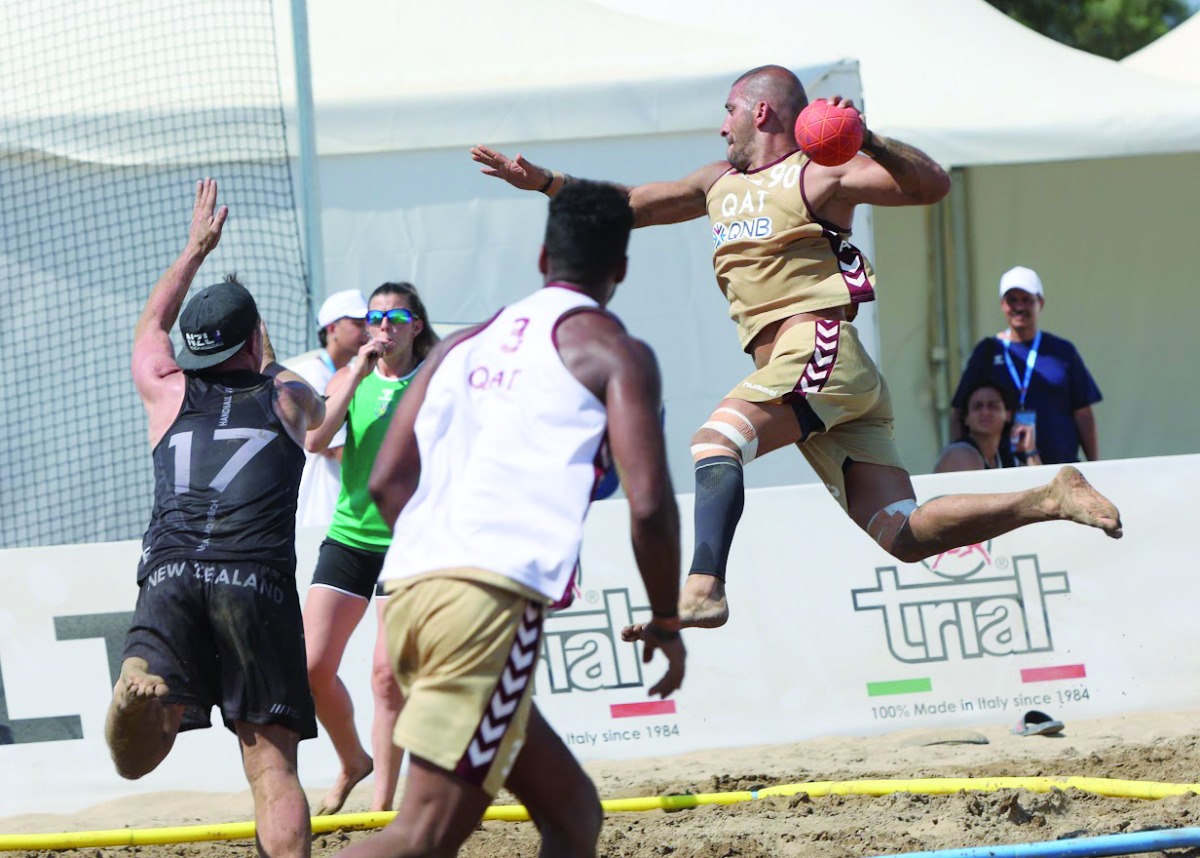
396,317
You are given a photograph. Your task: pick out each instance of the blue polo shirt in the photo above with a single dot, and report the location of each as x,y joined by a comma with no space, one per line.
1060,384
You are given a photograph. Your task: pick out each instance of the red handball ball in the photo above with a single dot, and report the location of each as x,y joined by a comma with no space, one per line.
830,135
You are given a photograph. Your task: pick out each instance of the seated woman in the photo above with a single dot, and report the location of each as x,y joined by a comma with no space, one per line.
986,434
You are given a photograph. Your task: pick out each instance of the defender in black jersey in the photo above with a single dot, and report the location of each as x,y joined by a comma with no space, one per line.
217,621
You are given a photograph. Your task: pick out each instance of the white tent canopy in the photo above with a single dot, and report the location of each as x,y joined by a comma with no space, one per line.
401,92
955,77
632,91
1175,56
400,76
969,85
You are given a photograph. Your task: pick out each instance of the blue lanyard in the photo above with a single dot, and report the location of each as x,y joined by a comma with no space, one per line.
327,360
1030,360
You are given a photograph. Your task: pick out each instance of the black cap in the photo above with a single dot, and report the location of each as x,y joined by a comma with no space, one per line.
215,324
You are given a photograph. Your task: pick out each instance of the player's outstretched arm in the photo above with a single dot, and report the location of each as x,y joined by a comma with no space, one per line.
623,374
635,437
153,354
656,203
653,203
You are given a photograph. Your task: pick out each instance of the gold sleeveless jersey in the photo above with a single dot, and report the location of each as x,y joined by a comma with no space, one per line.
773,258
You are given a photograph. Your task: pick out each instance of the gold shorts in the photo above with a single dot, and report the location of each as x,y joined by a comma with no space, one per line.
822,370
464,654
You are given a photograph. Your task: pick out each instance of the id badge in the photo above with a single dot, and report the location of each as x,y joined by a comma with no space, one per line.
1024,424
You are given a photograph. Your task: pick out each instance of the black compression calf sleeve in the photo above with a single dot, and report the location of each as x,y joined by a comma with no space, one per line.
720,498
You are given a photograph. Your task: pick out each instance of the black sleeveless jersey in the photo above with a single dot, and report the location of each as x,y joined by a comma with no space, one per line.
226,476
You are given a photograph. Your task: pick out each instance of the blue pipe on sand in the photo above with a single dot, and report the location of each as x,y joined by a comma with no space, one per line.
1078,847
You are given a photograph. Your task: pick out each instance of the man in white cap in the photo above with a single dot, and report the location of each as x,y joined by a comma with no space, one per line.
1051,385
343,330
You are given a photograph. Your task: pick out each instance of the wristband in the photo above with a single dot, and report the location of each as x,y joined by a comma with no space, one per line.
549,182
555,184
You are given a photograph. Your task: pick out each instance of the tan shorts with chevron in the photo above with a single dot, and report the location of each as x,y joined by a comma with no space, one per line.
463,653
822,370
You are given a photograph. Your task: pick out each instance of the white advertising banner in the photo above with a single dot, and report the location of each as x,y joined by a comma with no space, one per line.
828,635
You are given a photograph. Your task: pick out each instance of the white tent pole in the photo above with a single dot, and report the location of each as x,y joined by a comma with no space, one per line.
939,333
962,269
310,204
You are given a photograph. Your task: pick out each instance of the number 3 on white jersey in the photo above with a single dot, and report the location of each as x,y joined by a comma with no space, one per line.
256,439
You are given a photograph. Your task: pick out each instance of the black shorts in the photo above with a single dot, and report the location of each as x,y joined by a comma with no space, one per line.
348,570
225,634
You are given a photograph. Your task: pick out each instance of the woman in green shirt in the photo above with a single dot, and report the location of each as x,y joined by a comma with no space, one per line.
362,395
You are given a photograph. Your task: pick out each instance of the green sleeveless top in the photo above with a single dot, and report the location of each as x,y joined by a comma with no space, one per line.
356,519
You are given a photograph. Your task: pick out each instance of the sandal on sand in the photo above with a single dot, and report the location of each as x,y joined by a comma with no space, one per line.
1034,723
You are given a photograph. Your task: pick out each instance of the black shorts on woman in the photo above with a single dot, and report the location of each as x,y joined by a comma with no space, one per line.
348,570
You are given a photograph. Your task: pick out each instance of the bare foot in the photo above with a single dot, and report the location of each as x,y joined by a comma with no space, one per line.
136,686
702,602
1073,499
702,605
345,782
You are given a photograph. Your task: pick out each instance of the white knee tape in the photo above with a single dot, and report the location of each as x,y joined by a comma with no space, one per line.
745,440
894,515
699,449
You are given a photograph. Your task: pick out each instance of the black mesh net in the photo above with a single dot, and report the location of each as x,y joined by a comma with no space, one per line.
109,113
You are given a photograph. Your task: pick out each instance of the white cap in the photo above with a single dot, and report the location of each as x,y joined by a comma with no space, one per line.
1021,278
339,305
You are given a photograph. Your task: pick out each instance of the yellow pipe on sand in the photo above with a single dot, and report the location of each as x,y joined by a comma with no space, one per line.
517,813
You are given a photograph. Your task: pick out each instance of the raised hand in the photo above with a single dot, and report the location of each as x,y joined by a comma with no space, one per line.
207,219
516,171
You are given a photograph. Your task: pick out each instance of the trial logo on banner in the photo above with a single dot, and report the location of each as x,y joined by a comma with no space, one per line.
593,680
583,650
982,604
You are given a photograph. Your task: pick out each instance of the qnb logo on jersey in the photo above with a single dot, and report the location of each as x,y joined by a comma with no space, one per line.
759,227
582,650
965,603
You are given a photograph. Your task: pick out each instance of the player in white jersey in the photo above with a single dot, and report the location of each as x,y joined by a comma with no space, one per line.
488,469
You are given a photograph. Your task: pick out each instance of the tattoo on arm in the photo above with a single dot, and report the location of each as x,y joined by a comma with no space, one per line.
909,166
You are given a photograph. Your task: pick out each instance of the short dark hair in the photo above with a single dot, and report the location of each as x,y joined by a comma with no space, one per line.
587,232
778,87
1006,396
425,340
